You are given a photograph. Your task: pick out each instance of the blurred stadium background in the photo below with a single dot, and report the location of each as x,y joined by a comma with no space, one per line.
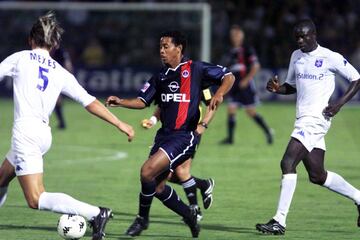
114,48
114,44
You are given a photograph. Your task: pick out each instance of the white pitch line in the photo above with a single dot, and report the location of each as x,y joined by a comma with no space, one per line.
106,154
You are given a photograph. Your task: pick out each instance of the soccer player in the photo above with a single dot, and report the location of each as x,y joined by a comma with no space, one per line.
38,81
61,56
243,63
177,90
311,75
182,173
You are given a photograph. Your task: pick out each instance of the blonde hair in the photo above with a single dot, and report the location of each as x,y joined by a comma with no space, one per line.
46,31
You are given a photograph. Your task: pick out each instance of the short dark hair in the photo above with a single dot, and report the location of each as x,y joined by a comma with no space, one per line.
236,27
306,23
177,38
46,31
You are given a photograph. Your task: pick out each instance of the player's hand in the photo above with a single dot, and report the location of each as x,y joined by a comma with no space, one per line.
147,123
112,101
243,84
127,129
331,110
273,85
216,100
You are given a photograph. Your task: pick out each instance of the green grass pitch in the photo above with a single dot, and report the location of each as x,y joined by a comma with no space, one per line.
93,162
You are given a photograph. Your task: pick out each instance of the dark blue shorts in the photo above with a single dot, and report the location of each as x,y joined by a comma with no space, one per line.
244,97
179,146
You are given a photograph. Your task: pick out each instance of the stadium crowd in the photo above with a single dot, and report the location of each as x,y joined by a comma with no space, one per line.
268,25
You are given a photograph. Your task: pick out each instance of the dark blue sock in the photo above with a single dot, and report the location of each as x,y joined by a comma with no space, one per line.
231,126
145,198
190,190
261,122
171,200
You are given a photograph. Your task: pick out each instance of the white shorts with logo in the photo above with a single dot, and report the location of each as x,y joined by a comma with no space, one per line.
30,141
310,131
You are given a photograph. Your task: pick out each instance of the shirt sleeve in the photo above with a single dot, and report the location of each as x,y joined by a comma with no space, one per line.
344,68
8,66
75,91
213,74
148,92
290,78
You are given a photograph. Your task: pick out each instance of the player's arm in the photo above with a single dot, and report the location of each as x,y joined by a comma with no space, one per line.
273,85
134,103
333,108
146,95
224,88
289,86
209,114
99,110
346,70
254,69
149,123
204,124
8,65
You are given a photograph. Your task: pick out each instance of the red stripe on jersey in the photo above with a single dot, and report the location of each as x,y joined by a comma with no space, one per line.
185,85
241,60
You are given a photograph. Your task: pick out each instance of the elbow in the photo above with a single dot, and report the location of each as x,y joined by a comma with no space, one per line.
231,79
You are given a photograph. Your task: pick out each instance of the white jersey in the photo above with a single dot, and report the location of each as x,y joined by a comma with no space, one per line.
38,81
313,76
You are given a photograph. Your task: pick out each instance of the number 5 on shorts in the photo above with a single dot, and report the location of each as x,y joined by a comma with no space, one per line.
44,78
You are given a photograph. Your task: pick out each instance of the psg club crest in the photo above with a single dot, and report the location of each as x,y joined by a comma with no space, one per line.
185,73
318,62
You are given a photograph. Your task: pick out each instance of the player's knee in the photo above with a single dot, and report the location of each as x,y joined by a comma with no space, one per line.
318,179
146,174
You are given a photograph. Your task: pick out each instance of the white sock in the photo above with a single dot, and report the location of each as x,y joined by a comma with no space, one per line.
288,185
338,184
3,195
62,203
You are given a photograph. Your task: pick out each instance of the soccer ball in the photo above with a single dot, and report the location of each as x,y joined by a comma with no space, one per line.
71,226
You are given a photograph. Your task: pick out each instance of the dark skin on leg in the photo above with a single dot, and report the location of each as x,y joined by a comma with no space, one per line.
313,161
294,153
314,164
154,166
7,173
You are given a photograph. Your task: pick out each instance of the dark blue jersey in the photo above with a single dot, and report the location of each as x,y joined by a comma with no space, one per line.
239,61
178,92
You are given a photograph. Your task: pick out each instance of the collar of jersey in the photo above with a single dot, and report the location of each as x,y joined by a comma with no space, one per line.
314,52
43,51
174,69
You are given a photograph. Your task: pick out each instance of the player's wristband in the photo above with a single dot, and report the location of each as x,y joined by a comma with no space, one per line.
154,120
203,124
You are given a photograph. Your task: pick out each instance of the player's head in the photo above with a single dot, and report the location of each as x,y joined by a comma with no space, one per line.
46,32
172,47
305,35
236,35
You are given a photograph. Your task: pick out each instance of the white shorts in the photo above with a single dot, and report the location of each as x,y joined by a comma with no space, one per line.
30,141
310,131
